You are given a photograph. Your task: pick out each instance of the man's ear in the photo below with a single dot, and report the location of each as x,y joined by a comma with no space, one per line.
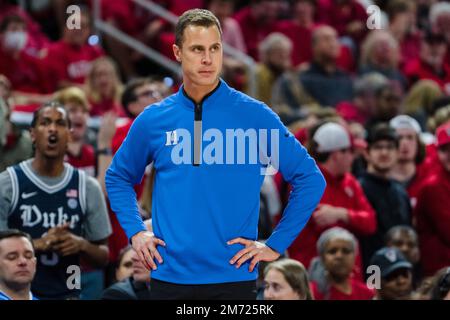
176,52
32,135
366,154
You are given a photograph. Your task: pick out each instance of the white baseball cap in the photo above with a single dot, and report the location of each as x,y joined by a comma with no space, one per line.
405,122
331,137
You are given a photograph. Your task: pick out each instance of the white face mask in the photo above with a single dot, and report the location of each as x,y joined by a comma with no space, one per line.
15,40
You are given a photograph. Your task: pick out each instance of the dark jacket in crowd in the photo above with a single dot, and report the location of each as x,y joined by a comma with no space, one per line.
128,289
392,206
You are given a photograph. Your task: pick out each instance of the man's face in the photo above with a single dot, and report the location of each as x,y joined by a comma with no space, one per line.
433,53
146,95
326,44
266,11
408,146
397,285
442,25
339,258
382,155
406,242
344,160
279,58
140,273
104,78
51,133
201,56
388,104
444,156
78,117
17,262
221,9
79,36
277,288
303,10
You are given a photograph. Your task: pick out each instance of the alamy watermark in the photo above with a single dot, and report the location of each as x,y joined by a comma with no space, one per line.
73,282
74,19
235,146
374,20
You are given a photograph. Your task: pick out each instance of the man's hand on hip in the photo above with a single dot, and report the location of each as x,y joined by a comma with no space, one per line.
144,243
254,250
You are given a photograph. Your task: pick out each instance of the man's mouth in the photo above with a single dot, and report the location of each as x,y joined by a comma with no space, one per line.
52,141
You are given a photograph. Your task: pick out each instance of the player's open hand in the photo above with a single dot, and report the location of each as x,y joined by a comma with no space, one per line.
254,250
145,243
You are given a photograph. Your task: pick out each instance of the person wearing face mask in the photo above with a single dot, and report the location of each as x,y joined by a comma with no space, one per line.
23,70
68,61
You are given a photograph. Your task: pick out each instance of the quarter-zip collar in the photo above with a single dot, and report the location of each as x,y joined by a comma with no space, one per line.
210,98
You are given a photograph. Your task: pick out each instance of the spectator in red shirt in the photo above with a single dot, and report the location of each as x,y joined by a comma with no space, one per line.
231,31
396,275
24,71
79,154
104,88
256,21
343,203
402,25
432,63
286,279
348,17
331,273
439,18
37,40
299,30
432,209
68,61
411,153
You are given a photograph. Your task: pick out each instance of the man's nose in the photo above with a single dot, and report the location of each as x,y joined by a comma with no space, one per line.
22,261
207,58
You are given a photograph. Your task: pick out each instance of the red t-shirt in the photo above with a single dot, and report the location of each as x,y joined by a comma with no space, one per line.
25,73
301,40
253,31
359,292
67,62
119,137
350,112
105,105
433,222
418,70
84,161
345,192
340,16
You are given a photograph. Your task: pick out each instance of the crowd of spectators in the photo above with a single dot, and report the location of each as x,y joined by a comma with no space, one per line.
371,105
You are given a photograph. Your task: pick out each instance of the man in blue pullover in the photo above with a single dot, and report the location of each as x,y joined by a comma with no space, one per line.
209,145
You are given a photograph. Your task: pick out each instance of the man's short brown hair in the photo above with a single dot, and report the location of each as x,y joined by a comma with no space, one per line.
195,17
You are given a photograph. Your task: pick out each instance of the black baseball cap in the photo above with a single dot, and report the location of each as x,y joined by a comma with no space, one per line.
390,260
